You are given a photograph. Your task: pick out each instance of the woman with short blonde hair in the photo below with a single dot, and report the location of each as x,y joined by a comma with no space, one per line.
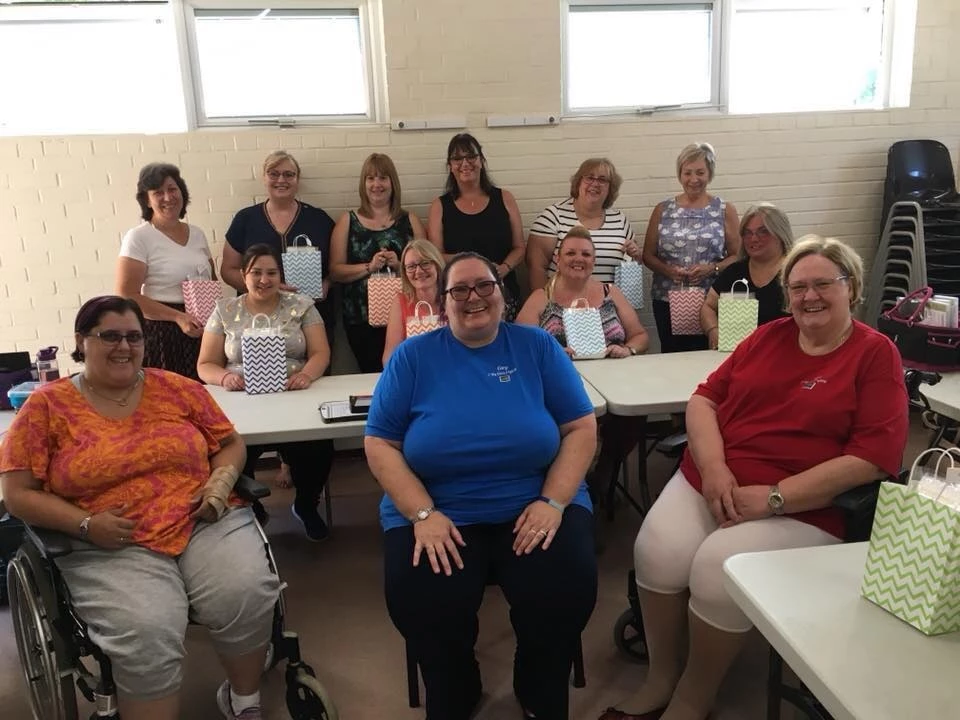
420,267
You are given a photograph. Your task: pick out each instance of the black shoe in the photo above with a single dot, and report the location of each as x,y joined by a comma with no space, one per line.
313,525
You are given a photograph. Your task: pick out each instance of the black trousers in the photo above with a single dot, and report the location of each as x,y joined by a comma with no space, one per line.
367,343
310,462
551,595
670,343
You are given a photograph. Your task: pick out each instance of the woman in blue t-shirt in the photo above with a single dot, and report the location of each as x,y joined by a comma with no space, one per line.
481,434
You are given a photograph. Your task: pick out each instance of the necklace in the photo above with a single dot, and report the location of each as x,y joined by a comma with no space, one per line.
123,401
830,348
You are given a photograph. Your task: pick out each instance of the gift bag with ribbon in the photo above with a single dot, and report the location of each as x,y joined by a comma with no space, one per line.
418,324
685,305
628,276
737,315
584,330
303,267
382,288
200,294
913,562
264,354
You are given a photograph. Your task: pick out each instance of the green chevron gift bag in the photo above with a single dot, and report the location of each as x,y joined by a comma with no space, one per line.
913,562
736,316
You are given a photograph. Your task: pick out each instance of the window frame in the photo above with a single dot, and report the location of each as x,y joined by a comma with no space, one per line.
890,92
374,70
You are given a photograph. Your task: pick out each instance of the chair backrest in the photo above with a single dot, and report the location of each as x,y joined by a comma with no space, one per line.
920,170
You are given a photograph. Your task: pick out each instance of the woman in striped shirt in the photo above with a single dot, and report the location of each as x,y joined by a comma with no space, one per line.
593,190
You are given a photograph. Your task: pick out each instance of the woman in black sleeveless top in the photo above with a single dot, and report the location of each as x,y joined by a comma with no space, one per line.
476,215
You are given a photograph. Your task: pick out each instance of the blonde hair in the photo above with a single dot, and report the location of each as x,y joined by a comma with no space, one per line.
840,254
698,151
775,220
277,157
428,251
380,164
592,164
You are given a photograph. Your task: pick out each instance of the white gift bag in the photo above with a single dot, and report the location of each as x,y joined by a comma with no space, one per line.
264,355
418,324
584,330
303,267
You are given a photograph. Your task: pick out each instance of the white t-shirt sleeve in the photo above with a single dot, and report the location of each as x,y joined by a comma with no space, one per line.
134,246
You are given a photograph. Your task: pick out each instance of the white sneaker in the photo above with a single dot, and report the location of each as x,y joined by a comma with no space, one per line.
226,707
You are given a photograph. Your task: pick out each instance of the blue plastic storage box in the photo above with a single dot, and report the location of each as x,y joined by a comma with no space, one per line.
18,394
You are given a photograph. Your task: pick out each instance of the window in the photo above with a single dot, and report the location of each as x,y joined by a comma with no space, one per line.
125,66
750,56
89,69
283,64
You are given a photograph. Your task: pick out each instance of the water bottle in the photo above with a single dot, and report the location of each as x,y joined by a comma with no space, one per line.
47,368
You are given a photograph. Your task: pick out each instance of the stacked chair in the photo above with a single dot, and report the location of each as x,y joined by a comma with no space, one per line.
920,242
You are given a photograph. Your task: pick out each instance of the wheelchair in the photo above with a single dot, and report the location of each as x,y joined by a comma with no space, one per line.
52,640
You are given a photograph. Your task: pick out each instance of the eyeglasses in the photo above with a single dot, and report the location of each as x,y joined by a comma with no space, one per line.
460,159
277,174
484,288
424,265
761,233
596,179
113,337
819,286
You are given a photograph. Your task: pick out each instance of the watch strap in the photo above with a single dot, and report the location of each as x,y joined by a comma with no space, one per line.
552,503
85,527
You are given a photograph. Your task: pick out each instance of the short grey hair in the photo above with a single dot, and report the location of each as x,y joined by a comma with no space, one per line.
698,151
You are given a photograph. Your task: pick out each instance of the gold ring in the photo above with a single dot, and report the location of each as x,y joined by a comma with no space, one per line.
541,532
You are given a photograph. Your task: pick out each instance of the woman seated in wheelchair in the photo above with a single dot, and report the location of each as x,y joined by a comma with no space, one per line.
138,465
480,434
804,409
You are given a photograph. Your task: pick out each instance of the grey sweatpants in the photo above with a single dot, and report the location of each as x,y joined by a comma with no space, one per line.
136,601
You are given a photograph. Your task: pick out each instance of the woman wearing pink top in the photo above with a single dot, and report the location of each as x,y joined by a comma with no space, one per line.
421,265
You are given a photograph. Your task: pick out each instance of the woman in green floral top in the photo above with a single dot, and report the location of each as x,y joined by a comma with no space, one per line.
365,241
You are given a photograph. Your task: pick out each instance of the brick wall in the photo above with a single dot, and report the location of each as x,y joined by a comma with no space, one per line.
66,201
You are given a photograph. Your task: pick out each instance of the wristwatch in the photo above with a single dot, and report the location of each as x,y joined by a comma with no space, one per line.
775,500
85,527
552,503
716,269
632,349
422,514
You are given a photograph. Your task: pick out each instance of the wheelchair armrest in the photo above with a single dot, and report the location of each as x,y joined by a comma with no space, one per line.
249,490
858,502
50,543
673,445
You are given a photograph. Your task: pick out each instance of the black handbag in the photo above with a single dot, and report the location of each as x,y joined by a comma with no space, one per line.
924,347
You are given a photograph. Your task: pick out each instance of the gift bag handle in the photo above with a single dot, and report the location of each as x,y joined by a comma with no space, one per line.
416,308
253,322
950,453
922,294
575,304
746,288
295,243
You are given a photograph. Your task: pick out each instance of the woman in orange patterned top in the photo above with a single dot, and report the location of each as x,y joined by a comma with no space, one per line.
138,465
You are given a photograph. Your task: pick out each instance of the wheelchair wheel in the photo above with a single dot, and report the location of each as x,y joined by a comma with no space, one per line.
51,692
629,637
307,699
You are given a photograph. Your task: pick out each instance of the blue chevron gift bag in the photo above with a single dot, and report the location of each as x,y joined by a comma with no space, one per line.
264,354
913,562
628,276
303,267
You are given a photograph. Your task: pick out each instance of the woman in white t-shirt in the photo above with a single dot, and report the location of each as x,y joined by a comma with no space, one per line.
155,257
593,191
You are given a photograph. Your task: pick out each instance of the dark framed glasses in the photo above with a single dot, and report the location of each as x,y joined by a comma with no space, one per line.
484,288
424,265
113,337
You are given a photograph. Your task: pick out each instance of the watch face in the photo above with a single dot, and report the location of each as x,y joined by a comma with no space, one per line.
423,514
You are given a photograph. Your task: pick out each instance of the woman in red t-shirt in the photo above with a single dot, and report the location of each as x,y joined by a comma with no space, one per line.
421,265
805,408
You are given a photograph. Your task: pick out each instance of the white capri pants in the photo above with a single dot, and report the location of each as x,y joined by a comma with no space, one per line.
681,546
136,601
